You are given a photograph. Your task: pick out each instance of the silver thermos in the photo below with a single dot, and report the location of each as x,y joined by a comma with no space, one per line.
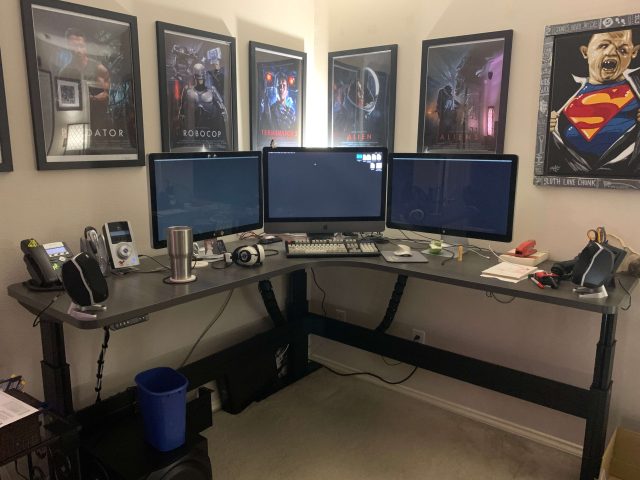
180,248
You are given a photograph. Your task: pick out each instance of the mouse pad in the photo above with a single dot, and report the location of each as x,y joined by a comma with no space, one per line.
416,257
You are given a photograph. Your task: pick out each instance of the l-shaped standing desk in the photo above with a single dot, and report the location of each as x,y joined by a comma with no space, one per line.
135,295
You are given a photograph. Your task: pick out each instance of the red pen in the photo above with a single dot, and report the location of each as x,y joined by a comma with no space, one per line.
535,280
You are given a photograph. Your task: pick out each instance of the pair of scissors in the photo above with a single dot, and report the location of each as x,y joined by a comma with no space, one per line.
598,235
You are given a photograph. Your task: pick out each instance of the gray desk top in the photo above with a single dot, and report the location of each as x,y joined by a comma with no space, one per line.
137,294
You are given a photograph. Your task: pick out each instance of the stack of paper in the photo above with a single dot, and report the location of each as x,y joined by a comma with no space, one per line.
509,272
12,409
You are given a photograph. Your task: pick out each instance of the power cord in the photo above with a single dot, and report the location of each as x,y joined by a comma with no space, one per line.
423,238
225,265
493,295
36,320
324,294
352,374
164,267
384,359
628,294
103,353
211,323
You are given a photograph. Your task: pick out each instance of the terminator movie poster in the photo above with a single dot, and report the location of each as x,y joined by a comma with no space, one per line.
198,113
277,97
86,87
362,99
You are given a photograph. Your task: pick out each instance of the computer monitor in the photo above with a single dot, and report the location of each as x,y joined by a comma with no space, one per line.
324,190
459,195
213,193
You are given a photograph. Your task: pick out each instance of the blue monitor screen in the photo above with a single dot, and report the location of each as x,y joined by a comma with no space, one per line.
215,194
329,184
463,195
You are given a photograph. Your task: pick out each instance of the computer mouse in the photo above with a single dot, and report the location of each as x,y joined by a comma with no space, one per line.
403,251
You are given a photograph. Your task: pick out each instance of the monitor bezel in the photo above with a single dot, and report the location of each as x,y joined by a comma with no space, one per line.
153,157
324,224
506,237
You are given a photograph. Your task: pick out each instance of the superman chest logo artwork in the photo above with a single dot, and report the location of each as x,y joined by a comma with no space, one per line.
591,111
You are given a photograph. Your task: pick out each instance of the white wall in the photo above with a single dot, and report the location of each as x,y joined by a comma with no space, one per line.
540,339
50,205
550,341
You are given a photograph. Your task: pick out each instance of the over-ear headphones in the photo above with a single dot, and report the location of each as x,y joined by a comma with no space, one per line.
247,255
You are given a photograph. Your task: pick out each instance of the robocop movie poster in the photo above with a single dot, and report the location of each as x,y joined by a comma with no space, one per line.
360,97
594,105
278,96
86,86
198,93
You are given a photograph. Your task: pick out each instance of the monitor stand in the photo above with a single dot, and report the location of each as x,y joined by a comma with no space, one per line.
213,249
320,236
451,244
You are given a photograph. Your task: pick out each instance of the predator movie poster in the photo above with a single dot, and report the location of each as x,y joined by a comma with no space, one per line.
86,85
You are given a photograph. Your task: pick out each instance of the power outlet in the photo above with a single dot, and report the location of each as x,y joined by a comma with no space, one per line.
341,315
418,335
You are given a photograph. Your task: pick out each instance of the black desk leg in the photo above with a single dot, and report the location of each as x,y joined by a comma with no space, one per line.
600,397
56,379
297,309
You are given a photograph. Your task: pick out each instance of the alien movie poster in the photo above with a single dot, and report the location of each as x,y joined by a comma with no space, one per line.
362,97
463,93
277,81
197,89
84,84
589,119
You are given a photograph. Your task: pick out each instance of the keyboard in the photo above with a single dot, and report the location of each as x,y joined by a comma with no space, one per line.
331,248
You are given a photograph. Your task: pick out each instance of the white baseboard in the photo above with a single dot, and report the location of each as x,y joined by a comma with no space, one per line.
510,427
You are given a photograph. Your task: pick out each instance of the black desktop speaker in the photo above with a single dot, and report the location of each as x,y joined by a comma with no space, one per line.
596,264
83,280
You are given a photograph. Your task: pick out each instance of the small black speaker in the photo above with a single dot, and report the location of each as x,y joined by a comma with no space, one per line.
83,280
596,264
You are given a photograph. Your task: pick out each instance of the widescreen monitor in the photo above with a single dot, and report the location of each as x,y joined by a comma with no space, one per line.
460,195
324,190
213,193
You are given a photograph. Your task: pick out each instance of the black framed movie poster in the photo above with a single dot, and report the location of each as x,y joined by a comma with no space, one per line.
84,83
5,144
197,74
588,132
362,97
277,78
463,93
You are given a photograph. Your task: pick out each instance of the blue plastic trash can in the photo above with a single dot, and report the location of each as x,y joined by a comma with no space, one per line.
162,396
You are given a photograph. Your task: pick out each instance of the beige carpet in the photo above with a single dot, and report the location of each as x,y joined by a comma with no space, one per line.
328,427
